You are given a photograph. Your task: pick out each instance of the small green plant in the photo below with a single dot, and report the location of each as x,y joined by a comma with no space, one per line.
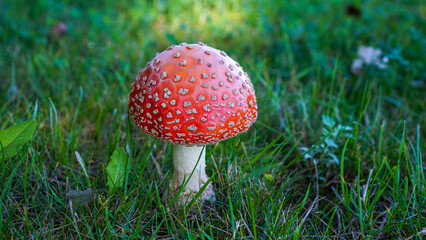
13,138
332,134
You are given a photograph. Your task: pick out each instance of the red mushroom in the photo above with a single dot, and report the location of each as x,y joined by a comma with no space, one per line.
192,95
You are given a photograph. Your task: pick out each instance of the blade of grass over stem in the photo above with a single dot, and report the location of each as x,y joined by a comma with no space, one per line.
185,181
198,194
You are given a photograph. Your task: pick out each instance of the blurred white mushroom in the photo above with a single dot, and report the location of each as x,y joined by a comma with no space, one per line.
368,55
356,67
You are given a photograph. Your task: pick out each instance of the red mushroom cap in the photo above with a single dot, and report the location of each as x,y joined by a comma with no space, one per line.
193,94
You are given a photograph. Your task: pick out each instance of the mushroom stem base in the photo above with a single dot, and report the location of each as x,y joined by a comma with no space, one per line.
187,161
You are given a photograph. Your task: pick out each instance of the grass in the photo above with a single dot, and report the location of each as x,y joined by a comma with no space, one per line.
332,155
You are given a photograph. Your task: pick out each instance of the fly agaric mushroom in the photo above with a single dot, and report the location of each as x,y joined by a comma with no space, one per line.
192,95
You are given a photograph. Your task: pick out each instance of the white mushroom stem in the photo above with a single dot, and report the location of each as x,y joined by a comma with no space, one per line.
184,161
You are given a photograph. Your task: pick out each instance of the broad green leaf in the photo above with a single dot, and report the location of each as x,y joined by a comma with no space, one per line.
13,138
116,169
